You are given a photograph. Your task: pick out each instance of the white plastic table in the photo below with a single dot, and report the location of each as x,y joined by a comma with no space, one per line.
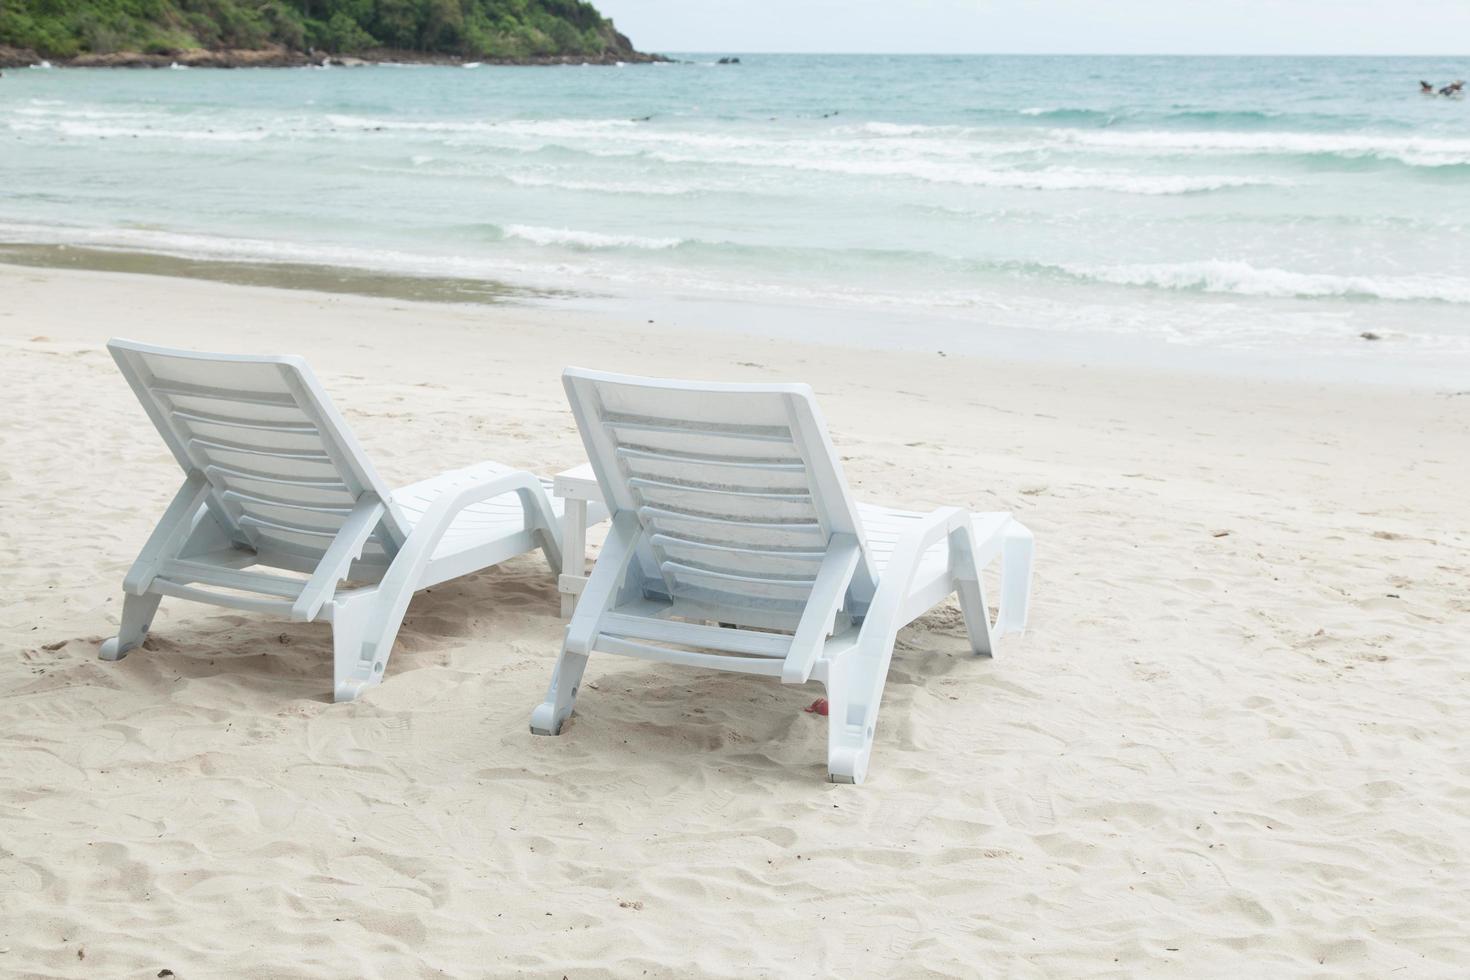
578,487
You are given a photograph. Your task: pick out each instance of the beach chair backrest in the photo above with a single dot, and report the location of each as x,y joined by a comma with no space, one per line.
736,487
283,469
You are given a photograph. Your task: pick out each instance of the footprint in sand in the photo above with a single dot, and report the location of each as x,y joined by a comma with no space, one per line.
1025,802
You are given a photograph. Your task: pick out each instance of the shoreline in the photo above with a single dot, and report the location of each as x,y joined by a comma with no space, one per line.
311,277
822,325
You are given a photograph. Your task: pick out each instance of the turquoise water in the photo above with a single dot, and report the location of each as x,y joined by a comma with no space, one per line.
1272,205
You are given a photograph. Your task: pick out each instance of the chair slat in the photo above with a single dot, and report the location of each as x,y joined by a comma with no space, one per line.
278,399
206,418
253,449
647,651
287,527
752,473
731,441
184,572
757,586
647,423
764,534
725,557
231,600
734,503
696,635
263,500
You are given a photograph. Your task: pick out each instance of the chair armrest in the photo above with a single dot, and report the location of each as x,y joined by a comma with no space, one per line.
898,574
467,487
822,605
335,565
602,585
169,535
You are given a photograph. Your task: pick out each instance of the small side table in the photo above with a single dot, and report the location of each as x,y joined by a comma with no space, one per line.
578,487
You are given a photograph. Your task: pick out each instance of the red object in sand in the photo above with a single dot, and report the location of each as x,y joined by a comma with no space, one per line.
817,707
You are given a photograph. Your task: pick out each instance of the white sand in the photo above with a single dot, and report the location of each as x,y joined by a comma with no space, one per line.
1210,756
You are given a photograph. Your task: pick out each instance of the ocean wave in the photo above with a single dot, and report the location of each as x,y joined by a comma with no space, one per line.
603,186
552,128
1190,133
1418,151
875,147
99,130
1050,179
1096,117
1243,279
110,122
1414,151
573,238
900,129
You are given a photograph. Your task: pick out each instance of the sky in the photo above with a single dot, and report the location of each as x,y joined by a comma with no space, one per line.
1048,26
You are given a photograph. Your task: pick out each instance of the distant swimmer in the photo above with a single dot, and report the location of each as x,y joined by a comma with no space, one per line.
1425,88
1453,90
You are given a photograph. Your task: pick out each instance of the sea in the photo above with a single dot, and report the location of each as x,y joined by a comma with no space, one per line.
1304,216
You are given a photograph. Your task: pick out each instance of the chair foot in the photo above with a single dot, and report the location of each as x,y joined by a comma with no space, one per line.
357,665
850,725
352,690
550,715
848,764
137,616
544,720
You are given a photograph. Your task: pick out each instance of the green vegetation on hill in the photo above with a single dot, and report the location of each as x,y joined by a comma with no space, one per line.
491,29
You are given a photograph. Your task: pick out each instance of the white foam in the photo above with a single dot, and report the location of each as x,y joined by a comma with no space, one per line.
1243,279
587,239
1424,151
899,129
549,128
1048,179
603,186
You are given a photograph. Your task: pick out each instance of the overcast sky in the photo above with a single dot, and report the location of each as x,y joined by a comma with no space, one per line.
1048,26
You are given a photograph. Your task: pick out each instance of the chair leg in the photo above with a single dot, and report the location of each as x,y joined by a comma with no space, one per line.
137,616
566,680
977,616
1015,579
850,721
356,666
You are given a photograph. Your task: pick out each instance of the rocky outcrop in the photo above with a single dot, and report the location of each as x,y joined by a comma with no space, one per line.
17,57
281,57
271,57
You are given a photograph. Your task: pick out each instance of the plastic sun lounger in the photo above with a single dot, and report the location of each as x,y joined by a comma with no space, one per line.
274,479
729,508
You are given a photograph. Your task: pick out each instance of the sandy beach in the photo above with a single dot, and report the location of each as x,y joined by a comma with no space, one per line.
1231,742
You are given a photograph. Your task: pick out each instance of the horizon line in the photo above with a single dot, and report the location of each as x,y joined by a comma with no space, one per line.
1073,54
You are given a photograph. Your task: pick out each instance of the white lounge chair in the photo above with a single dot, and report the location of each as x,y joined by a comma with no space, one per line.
729,507
273,478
